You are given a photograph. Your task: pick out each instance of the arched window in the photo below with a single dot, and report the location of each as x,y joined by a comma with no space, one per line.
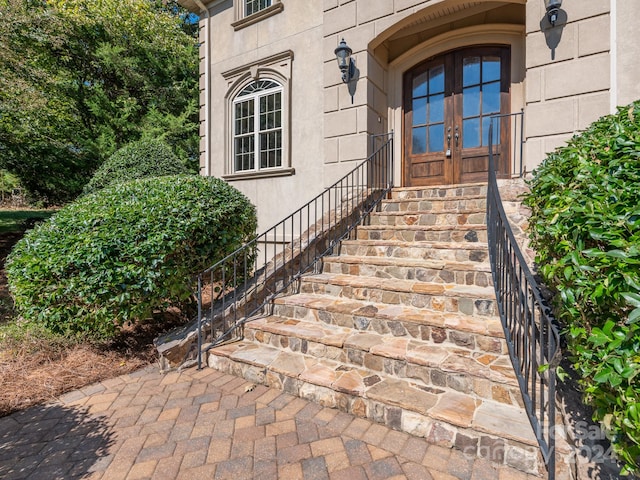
257,127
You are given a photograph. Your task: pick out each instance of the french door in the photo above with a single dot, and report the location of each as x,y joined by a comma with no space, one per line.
448,103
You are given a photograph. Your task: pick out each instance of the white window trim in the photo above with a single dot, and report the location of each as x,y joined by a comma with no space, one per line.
277,68
242,21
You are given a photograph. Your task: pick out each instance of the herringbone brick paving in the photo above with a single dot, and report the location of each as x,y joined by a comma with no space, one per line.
209,425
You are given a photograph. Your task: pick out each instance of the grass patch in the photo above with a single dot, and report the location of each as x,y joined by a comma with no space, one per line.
18,220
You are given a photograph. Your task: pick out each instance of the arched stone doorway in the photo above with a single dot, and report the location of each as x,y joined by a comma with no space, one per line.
450,66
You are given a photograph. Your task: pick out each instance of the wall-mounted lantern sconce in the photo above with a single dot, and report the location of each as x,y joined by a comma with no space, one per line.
345,63
553,7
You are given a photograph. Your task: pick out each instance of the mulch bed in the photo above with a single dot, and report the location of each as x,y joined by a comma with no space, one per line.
37,370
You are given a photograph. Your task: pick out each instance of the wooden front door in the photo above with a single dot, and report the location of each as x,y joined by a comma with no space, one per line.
448,102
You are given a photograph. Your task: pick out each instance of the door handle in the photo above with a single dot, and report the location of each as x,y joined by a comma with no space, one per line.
457,135
448,153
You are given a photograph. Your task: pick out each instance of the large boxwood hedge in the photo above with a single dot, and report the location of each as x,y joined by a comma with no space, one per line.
142,159
585,227
116,255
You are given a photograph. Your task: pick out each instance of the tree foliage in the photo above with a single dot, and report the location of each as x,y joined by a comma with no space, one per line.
79,79
585,227
116,255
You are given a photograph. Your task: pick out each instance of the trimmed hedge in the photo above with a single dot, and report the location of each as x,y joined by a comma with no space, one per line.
585,227
141,159
114,256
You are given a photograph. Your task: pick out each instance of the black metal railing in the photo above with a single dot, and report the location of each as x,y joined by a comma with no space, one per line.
532,337
243,284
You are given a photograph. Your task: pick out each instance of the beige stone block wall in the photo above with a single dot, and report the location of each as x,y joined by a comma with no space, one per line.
627,51
377,102
569,66
365,99
358,22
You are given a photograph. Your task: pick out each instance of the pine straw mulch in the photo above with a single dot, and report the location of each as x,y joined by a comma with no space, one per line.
37,369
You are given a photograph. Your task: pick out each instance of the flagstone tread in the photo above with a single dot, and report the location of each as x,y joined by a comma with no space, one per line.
407,218
447,211
395,199
488,326
424,228
406,286
457,204
439,403
440,191
445,358
411,262
418,244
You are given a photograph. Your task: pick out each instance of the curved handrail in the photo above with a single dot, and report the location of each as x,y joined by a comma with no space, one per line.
529,327
243,283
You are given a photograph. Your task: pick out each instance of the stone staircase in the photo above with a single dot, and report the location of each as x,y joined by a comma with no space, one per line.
401,327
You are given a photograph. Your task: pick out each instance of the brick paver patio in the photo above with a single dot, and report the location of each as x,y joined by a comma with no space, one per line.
209,425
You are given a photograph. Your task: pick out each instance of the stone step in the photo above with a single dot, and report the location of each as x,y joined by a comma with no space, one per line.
444,251
422,233
437,271
439,414
436,204
482,334
428,218
472,203
464,299
440,191
474,372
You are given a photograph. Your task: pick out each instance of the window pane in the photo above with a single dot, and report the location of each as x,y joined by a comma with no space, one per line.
244,117
470,71
250,6
258,86
436,79
419,140
253,6
470,102
485,131
269,113
420,85
471,133
271,149
436,138
490,69
491,98
420,111
436,108
244,153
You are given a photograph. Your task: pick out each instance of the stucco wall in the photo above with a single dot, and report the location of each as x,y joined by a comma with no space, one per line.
568,73
627,51
298,29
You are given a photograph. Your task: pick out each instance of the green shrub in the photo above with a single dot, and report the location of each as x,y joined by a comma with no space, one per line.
141,159
585,227
114,256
